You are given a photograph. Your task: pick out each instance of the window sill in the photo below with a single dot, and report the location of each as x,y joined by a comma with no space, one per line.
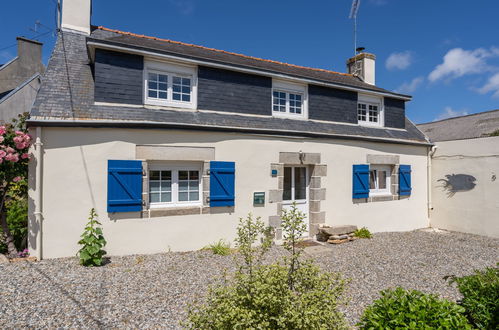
379,198
173,211
172,104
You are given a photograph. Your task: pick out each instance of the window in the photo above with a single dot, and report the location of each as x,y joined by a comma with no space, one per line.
170,85
379,180
172,186
295,184
369,111
289,99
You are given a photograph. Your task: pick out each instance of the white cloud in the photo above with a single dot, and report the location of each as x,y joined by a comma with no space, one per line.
400,61
459,62
410,87
492,85
185,7
449,113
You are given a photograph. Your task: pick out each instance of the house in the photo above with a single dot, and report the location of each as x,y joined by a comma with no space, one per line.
464,169
20,79
171,143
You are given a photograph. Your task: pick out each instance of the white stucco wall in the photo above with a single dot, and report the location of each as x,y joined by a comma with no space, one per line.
75,180
466,205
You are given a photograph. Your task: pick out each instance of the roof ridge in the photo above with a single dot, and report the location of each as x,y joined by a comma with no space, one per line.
220,51
463,116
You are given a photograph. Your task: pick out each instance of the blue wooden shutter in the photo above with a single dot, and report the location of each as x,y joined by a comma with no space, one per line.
124,185
405,180
222,183
360,181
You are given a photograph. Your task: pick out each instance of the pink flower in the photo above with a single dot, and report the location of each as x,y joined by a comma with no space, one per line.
18,139
9,150
25,156
17,179
2,154
27,138
21,145
12,157
1,139
19,133
2,130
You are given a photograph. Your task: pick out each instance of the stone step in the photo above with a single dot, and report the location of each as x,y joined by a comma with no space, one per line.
338,230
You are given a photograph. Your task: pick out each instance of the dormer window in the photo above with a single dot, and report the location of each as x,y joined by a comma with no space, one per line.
289,99
369,111
169,84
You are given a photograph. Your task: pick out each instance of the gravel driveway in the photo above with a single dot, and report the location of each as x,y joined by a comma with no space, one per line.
153,290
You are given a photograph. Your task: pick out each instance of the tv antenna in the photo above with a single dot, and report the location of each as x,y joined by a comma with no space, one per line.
353,15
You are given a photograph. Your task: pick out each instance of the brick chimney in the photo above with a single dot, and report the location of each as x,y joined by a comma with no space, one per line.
363,66
76,15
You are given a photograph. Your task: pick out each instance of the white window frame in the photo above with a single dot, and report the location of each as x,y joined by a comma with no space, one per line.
371,100
175,168
171,69
290,88
376,191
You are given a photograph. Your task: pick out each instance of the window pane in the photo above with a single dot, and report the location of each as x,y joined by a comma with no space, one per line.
183,185
181,89
183,196
194,196
152,94
300,183
287,184
166,197
154,186
193,175
279,101
176,97
382,179
183,175
193,185
166,185
186,98
152,85
166,175
157,86
177,88
162,95
154,198
372,179
154,175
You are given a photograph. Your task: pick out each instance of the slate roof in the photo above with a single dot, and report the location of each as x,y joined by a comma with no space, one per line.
66,97
465,127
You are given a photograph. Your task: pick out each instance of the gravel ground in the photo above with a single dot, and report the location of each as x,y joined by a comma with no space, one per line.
152,291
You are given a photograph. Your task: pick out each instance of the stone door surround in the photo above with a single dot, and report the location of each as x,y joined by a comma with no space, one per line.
316,192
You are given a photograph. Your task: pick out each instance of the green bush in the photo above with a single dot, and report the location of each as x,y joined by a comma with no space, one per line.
480,297
221,248
401,309
291,294
93,242
363,233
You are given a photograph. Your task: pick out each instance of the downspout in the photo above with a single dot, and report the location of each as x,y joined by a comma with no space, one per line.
38,191
431,152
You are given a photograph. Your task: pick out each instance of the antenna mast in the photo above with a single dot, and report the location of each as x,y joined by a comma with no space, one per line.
353,15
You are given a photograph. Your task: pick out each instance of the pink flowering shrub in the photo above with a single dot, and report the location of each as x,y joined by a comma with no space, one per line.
14,157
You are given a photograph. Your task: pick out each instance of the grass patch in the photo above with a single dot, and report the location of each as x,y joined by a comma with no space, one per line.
221,247
363,233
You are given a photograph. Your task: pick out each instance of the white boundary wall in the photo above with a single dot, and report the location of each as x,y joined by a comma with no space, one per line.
459,202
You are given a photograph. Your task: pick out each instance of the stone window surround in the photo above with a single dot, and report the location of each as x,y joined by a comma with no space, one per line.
150,153
394,162
316,192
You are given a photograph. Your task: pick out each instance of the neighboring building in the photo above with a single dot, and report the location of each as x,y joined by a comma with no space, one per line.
465,165
20,79
171,143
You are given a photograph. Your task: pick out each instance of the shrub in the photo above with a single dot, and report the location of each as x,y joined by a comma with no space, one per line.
17,221
291,294
480,297
93,242
221,248
401,309
363,233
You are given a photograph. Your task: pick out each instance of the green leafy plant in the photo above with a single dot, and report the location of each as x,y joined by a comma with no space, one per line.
93,243
363,233
480,297
291,294
401,309
221,248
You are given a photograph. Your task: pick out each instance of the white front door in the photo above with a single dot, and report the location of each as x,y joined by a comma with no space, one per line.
296,190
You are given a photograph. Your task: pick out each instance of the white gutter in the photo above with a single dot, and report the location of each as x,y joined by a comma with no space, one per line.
237,68
431,152
38,191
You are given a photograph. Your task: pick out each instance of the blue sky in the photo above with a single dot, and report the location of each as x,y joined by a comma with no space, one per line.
443,52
